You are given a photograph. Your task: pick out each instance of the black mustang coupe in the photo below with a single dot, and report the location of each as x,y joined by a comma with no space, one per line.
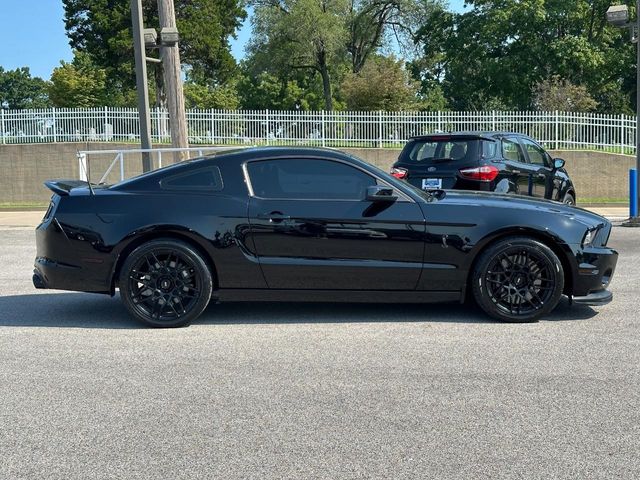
308,224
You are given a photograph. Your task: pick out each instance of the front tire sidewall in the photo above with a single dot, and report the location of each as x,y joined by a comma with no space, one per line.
480,287
199,265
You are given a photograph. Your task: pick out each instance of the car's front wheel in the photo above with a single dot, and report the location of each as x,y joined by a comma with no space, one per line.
518,279
165,283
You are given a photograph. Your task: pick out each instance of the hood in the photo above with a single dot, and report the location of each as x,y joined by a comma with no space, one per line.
526,204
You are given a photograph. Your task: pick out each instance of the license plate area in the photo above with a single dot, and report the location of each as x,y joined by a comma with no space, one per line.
431,183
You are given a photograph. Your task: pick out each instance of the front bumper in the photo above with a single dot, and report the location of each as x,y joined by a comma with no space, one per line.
595,269
595,299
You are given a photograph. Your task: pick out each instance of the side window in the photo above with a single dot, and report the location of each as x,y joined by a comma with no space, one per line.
309,179
488,149
537,155
203,179
511,151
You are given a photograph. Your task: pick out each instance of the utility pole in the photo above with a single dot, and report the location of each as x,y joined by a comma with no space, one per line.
170,56
141,82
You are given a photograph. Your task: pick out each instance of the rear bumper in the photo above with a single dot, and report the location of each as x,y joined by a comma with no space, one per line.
595,299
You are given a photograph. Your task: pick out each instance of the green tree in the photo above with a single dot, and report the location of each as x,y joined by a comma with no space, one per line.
382,84
78,84
203,96
18,89
301,34
558,94
103,30
499,50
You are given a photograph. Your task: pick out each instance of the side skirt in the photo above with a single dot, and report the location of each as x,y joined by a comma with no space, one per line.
346,296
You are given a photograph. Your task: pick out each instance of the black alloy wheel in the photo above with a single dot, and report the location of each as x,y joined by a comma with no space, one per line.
518,279
165,283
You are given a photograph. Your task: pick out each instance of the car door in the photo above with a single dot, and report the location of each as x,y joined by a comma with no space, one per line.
541,172
518,170
312,227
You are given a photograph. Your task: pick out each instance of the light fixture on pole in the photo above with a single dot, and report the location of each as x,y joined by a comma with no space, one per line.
618,16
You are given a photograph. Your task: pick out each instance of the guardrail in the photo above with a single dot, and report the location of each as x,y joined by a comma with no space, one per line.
556,130
155,154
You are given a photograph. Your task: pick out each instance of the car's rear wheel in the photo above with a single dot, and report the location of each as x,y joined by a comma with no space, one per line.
569,199
165,283
518,279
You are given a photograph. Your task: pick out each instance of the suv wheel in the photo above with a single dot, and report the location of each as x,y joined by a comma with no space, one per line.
569,199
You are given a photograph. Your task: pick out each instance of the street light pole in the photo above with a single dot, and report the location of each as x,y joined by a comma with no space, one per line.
635,220
618,16
141,82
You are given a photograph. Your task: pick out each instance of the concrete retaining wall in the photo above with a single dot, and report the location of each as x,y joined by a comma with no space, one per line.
23,168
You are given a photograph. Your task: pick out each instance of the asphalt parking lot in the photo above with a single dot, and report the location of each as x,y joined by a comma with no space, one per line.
315,391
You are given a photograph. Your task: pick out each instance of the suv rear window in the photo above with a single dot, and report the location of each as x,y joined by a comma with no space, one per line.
428,151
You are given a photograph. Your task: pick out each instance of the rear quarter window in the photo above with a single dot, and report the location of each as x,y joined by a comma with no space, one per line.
208,179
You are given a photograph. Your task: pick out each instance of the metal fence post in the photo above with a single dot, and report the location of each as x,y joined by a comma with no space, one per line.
379,128
2,129
324,144
621,120
557,132
268,126
82,166
53,117
212,125
493,120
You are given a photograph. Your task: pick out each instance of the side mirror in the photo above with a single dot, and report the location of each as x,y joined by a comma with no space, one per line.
558,163
379,193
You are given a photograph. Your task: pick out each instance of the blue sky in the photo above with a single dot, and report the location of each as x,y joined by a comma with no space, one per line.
34,35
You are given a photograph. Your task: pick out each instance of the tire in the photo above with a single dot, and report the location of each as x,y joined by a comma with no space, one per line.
569,199
165,283
518,280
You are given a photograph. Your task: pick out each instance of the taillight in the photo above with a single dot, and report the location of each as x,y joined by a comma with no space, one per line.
486,173
399,172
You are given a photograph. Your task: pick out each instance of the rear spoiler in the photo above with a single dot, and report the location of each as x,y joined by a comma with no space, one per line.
64,187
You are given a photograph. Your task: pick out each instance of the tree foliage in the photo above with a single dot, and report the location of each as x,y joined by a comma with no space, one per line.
78,84
558,94
18,89
382,84
499,50
102,29
301,34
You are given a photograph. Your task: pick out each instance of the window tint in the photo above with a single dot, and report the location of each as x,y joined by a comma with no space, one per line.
308,179
430,151
489,149
208,179
536,154
511,150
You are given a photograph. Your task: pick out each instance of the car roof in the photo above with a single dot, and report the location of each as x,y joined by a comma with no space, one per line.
475,134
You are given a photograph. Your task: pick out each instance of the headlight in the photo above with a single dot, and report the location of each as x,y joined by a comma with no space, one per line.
590,236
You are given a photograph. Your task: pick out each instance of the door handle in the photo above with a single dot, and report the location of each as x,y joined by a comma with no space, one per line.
274,217
517,172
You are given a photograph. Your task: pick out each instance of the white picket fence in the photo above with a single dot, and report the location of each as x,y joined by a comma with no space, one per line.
557,130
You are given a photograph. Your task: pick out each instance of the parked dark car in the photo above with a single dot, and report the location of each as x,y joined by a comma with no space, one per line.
308,224
484,161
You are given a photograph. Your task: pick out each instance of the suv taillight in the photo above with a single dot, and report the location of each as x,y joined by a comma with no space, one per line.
400,173
486,173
